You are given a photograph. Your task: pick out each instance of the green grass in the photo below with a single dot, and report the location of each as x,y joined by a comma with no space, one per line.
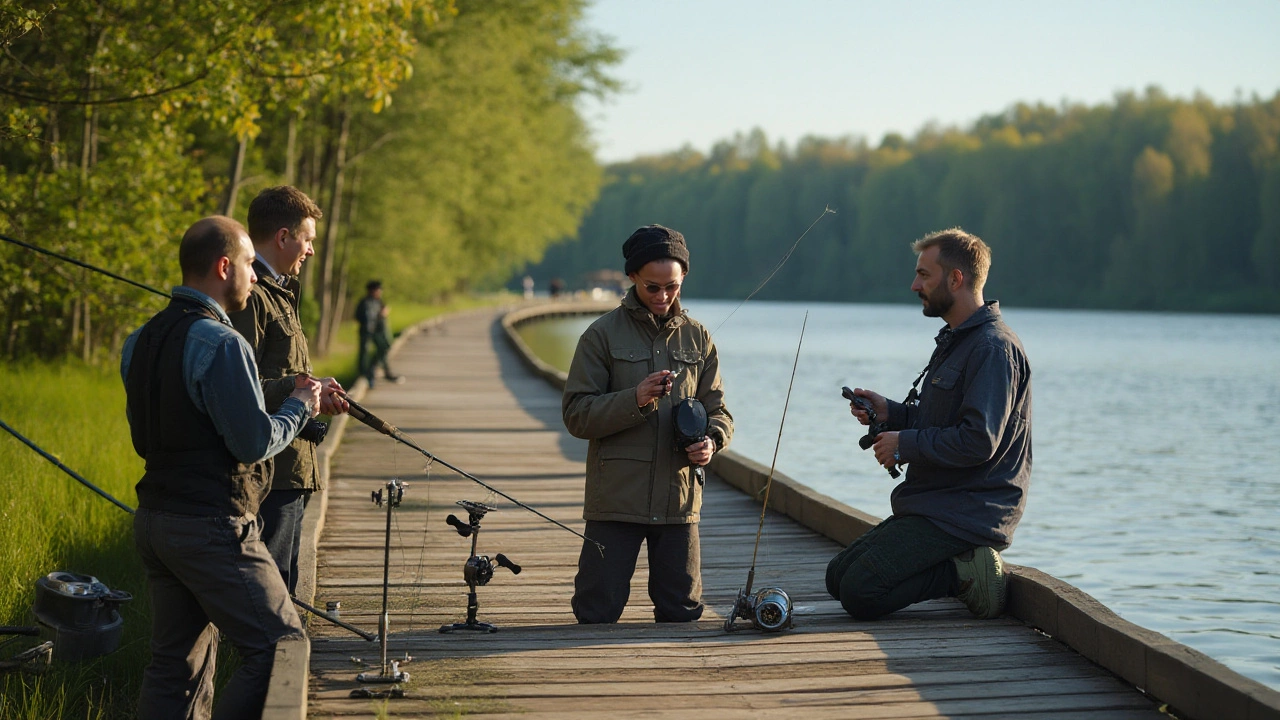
49,522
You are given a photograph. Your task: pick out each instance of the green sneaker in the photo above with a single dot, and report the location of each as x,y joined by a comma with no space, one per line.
983,584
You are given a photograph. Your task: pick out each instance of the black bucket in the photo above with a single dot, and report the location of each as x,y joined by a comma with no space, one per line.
79,614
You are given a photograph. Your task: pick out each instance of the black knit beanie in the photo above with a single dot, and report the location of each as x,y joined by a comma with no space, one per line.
654,242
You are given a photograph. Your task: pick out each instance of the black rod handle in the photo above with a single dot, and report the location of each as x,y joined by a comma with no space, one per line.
505,562
463,529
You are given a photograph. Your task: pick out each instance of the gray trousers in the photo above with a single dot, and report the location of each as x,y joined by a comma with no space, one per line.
603,584
207,575
282,513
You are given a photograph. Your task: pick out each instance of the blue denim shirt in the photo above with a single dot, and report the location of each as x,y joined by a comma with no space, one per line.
222,381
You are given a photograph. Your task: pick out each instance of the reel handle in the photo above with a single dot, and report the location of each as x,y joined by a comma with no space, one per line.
505,562
463,529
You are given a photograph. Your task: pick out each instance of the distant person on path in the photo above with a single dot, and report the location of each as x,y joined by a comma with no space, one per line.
555,287
630,369
282,224
197,416
375,336
966,440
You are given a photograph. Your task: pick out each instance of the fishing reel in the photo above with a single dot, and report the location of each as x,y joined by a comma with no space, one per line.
478,569
874,427
768,609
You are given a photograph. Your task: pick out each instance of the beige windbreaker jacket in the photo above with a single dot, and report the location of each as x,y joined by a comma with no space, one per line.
635,473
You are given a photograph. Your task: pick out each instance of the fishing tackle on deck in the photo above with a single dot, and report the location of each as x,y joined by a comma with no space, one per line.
770,608
478,569
389,670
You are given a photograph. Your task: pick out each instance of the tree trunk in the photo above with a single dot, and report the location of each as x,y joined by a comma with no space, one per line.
326,284
340,298
237,169
75,324
291,151
88,336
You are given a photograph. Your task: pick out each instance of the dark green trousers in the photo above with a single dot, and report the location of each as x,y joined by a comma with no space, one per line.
902,561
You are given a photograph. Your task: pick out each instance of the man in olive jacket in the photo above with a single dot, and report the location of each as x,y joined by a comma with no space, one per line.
282,225
631,367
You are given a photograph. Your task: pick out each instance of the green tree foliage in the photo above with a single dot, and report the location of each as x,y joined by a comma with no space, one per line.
1146,202
121,122
491,161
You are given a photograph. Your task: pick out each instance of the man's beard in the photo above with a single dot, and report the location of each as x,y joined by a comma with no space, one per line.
236,303
938,303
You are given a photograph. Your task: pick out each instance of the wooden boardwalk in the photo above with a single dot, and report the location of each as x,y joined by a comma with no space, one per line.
471,401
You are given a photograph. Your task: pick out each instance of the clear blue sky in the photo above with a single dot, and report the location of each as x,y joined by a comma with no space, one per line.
700,70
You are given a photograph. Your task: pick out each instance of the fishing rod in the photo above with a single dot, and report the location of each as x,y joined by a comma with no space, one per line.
362,414
87,266
769,609
65,469
319,613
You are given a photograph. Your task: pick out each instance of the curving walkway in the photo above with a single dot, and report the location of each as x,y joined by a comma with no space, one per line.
470,400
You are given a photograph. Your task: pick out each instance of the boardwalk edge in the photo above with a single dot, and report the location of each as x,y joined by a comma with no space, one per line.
1192,685
290,675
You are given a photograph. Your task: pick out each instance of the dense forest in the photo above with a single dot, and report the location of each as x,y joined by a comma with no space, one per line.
441,138
1147,202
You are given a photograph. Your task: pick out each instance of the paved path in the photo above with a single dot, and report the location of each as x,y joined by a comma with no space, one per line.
469,400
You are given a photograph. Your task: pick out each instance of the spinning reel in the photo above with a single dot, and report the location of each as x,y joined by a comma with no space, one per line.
479,568
768,609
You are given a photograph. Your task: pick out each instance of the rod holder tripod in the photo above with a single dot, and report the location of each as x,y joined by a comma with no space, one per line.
479,568
389,672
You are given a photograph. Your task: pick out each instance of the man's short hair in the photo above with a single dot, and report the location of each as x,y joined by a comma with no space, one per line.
283,206
959,250
207,241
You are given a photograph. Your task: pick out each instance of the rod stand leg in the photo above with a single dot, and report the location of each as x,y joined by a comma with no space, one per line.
471,623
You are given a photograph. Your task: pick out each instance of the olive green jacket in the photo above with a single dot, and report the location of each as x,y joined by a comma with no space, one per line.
270,323
635,473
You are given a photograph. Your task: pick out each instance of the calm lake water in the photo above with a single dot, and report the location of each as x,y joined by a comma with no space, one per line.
1156,482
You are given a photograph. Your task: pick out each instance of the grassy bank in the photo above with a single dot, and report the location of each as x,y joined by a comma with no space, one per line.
50,522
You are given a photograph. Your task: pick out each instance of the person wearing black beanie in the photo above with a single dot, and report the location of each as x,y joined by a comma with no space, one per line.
632,367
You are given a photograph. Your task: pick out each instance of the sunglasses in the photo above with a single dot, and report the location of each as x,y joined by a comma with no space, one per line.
653,289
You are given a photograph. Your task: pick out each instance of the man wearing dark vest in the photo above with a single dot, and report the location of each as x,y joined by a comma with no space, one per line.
197,417
282,225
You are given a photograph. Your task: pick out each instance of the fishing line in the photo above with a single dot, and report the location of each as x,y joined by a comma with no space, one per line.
786,256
